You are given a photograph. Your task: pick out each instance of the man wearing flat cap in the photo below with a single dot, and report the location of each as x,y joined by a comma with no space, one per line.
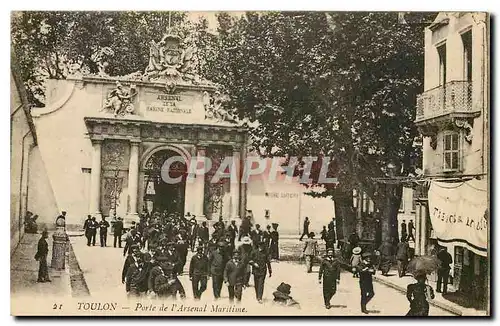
234,275
217,261
198,273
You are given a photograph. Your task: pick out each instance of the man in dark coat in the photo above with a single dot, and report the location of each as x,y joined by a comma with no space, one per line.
234,274
203,233
93,230
86,227
198,273
217,262
245,226
256,235
266,237
131,257
134,277
193,235
402,255
329,272
117,233
233,231
41,256
444,269
103,231
132,238
166,283
305,229
174,258
259,260
404,232
411,228
366,272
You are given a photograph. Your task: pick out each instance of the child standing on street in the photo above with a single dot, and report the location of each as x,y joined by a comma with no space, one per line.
355,261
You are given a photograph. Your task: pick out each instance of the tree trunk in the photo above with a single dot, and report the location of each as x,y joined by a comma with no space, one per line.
389,219
344,215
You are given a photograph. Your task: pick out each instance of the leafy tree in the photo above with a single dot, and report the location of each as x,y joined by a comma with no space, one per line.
341,85
52,44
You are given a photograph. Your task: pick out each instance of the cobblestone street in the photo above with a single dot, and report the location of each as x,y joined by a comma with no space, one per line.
102,269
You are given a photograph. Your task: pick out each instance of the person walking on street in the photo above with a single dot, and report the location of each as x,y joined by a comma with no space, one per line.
103,231
266,237
310,251
329,273
402,255
418,294
234,277
217,262
305,228
198,273
203,233
232,229
260,265
41,257
404,232
366,272
411,228
331,237
117,233
444,270
274,245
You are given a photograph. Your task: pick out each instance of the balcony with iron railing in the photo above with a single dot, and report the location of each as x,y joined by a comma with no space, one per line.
448,101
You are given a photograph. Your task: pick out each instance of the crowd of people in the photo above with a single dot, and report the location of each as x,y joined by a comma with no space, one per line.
156,253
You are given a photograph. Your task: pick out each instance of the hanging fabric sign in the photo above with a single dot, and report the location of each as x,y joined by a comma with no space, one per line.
458,213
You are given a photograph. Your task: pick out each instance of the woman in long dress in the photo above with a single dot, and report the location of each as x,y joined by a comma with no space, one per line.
418,294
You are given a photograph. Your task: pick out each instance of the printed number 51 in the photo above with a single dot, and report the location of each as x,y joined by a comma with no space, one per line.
57,306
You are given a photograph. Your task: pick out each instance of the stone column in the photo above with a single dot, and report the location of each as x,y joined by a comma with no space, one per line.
243,186
234,187
418,216
199,184
95,180
133,179
423,228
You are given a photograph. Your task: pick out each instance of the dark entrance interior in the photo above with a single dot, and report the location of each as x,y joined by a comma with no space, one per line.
159,195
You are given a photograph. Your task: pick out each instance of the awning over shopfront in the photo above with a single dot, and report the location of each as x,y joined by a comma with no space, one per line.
458,213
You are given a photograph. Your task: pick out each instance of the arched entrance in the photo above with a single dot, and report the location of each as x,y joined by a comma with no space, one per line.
160,194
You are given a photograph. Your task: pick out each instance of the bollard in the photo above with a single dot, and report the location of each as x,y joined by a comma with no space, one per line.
59,245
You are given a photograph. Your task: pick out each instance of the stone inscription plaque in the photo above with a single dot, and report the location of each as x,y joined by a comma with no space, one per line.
169,104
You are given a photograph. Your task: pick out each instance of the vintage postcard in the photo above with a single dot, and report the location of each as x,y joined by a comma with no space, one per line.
250,163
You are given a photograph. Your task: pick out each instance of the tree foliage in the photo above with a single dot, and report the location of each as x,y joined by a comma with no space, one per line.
340,84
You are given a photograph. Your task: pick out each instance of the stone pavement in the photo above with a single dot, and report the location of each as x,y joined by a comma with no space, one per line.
290,248
400,284
102,268
24,274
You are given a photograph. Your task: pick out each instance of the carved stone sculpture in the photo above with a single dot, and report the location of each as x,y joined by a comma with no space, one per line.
119,100
169,59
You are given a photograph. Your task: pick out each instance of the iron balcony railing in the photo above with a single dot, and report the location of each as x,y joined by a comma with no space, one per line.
454,96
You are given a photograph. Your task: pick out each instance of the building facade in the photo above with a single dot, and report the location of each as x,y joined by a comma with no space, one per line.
22,139
453,116
107,146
